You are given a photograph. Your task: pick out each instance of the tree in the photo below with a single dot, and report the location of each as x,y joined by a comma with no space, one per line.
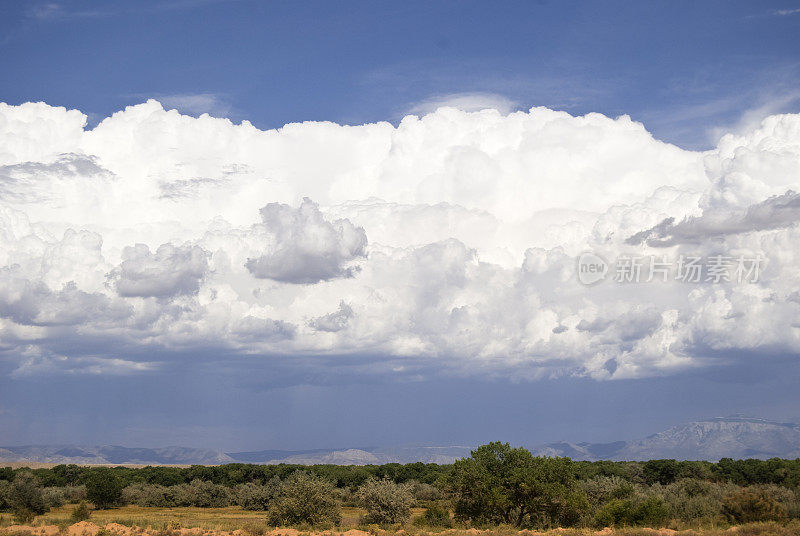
661,471
500,484
305,498
385,501
25,497
6,473
103,487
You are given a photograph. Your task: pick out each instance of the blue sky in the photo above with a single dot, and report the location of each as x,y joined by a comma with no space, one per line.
164,280
685,69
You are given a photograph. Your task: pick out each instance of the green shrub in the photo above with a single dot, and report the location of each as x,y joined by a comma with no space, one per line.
652,512
5,489
54,497
753,504
304,498
255,496
142,494
614,513
25,497
423,492
691,500
601,489
24,516
203,494
74,494
436,516
81,512
385,501
198,493
251,528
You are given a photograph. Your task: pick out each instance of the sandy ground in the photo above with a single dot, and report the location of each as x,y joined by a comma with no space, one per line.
87,528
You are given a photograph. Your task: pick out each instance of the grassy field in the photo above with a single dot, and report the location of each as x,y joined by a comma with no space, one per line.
161,521
230,518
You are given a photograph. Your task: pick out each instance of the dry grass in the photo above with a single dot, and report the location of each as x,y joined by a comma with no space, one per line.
229,518
223,521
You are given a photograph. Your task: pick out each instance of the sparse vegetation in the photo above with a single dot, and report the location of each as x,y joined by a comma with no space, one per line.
498,486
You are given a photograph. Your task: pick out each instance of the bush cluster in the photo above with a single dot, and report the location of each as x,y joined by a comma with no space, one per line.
59,496
197,493
756,503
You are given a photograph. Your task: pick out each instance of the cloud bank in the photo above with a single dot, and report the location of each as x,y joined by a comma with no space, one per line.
444,245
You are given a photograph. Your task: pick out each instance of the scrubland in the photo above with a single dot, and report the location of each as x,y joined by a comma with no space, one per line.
498,490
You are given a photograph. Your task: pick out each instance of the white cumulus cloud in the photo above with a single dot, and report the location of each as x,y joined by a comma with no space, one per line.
445,245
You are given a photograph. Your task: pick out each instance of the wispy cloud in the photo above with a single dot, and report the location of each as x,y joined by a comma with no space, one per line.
53,11
698,111
786,12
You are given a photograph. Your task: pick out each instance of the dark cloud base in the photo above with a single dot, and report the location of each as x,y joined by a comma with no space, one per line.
245,407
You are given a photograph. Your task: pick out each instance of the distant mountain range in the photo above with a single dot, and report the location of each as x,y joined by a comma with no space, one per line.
732,437
113,455
722,437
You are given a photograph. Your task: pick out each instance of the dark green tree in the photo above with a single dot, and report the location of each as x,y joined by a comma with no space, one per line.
103,487
661,471
500,484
